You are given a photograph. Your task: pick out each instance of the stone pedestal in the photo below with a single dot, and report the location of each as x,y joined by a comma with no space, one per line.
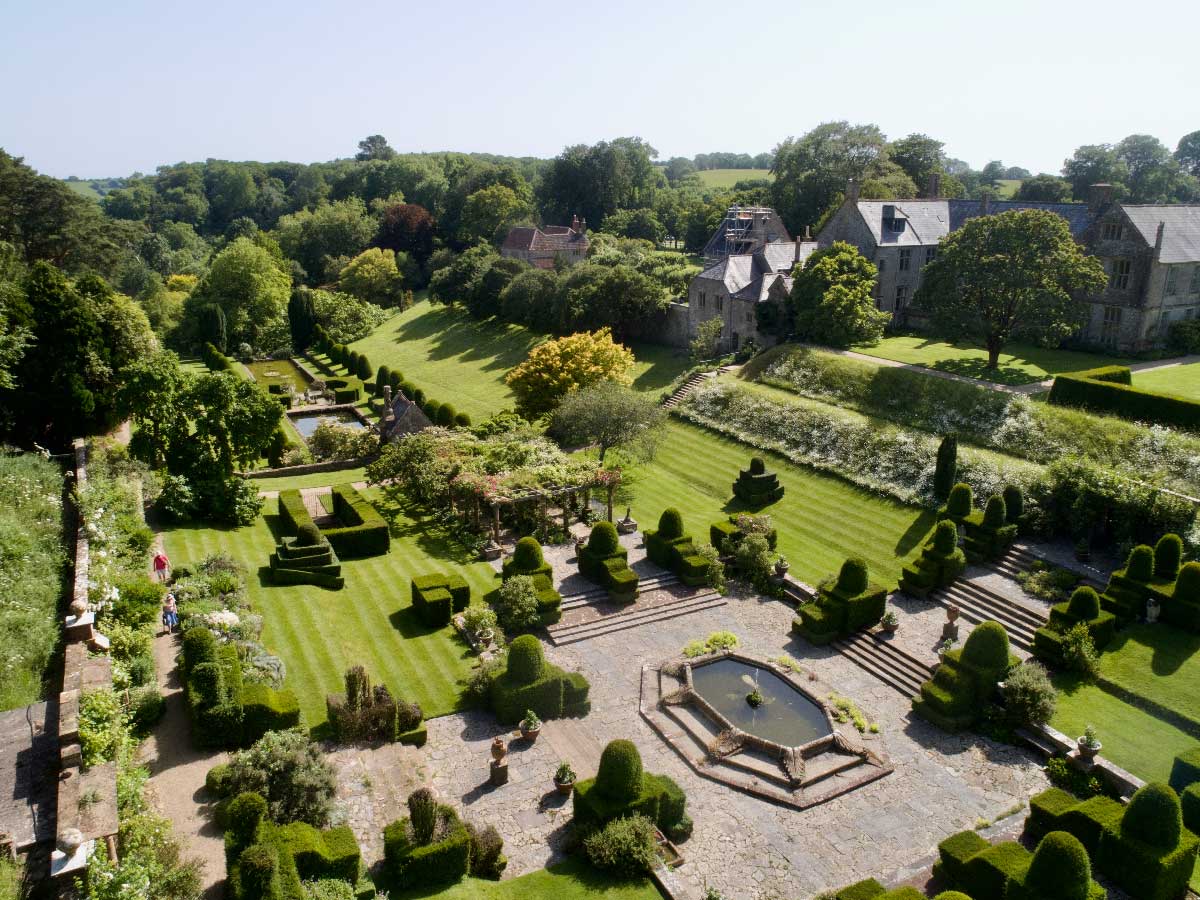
950,631
499,774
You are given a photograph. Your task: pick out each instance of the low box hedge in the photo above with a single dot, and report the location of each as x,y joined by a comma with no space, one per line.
438,596
363,531
417,867
1109,391
870,889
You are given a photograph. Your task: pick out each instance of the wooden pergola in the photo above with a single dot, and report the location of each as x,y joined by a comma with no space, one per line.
572,497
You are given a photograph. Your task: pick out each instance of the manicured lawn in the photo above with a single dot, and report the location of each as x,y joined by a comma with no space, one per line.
821,519
1157,662
1133,739
727,178
1181,380
278,370
320,633
456,359
193,367
574,879
314,479
1019,364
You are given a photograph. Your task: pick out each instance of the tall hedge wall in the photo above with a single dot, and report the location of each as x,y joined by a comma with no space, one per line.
1109,390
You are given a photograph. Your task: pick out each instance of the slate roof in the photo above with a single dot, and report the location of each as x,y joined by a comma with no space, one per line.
928,221
749,276
406,418
1181,234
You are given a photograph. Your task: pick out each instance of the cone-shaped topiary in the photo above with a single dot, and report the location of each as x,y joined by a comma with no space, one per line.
1084,604
852,580
422,812
670,524
382,377
1060,869
947,467
308,535
526,661
757,465
603,539
994,512
527,555
1140,566
1014,504
431,408
987,647
1187,586
619,777
363,368
1154,816
446,415
959,503
945,537
1168,553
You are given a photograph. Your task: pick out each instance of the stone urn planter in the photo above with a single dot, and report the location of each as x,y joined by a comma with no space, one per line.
781,567
1088,752
499,749
952,613
485,637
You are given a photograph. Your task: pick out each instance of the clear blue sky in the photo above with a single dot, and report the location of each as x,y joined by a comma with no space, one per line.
95,88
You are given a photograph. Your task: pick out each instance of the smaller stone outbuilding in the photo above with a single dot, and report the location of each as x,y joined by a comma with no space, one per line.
403,418
544,247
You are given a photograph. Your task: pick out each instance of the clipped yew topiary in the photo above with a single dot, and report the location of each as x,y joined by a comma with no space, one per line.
526,660
962,685
757,465
604,561
986,647
958,505
994,513
951,895
945,537
1154,816
940,562
1084,604
1187,585
1150,854
756,486
852,579
1014,504
947,467
527,555
619,777
1060,869
670,524
308,535
1168,554
603,539
1140,566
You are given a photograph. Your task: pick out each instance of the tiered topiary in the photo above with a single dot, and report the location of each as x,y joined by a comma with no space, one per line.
307,558
621,788
940,562
958,504
1183,609
1143,847
1057,870
988,533
527,559
1083,607
670,547
850,604
531,683
226,712
437,597
1129,588
364,713
756,486
964,683
604,561
430,847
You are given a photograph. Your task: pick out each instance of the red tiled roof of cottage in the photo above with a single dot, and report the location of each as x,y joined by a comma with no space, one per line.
552,239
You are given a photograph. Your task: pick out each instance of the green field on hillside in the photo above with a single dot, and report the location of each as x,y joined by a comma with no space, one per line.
457,359
1018,364
320,633
727,178
822,519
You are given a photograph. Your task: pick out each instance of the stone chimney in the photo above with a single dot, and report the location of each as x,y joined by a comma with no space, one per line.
796,258
852,191
583,226
808,232
575,223
1158,240
935,186
1099,196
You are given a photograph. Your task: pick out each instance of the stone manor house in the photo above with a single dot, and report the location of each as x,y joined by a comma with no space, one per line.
1150,252
543,247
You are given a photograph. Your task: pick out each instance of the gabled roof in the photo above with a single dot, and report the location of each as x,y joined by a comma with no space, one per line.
1181,229
929,221
552,239
749,276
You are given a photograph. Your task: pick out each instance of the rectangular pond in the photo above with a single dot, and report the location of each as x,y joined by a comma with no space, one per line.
306,423
266,371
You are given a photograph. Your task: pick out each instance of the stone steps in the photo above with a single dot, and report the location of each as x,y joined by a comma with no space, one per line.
883,658
1019,559
634,617
978,604
599,594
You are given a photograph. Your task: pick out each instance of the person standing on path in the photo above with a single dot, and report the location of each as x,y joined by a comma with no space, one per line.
170,614
162,566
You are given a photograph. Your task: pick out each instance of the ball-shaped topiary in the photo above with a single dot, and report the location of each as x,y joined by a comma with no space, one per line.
526,661
603,539
431,408
959,503
852,579
446,415
308,535
670,524
1154,816
619,777
1084,604
994,512
945,537
1187,586
527,555
987,647
1168,554
1140,566
1014,504
1060,869
462,420
951,895
757,466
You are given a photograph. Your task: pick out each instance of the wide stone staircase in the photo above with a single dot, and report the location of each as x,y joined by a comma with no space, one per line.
878,653
1019,560
977,603
662,597
692,383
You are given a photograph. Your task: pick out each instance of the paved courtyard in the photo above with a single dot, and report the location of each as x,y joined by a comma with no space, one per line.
744,846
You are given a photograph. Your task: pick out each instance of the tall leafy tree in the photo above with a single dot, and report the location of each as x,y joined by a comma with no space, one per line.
302,318
556,368
407,228
919,155
595,181
1044,189
374,147
149,398
608,415
249,285
1187,153
326,234
832,301
372,276
1016,274
490,212
1096,164
812,171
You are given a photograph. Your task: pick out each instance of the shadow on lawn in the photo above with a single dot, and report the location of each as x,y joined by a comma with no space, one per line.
455,336
915,533
977,368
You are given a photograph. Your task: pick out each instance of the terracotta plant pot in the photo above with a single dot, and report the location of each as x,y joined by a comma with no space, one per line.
890,628
781,569
564,787
499,749
952,613
531,734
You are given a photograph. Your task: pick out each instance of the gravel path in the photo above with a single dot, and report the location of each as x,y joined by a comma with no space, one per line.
177,773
